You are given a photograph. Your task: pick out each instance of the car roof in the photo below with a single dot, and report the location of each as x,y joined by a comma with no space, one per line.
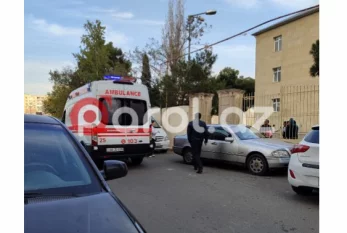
315,127
30,118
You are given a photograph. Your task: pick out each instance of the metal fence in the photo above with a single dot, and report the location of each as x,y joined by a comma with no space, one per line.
298,102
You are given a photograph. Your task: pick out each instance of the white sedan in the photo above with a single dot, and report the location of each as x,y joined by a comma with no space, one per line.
303,170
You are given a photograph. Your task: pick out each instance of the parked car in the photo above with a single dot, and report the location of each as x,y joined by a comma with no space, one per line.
303,171
162,142
63,189
238,144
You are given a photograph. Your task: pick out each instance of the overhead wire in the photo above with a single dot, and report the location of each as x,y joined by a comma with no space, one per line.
241,33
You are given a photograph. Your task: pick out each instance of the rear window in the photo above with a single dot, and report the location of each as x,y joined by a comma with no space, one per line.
134,112
313,136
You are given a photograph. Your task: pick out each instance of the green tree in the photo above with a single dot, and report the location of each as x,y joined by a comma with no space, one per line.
63,83
94,60
118,64
192,76
229,76
146,72
314,70
155,95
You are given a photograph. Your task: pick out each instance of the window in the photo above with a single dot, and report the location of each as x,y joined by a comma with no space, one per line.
156,124
109,108
277,74
53,163
278,43
243,132
313,136
276,104
218,133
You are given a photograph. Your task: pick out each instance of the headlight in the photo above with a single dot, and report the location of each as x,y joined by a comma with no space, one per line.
166,138
280,154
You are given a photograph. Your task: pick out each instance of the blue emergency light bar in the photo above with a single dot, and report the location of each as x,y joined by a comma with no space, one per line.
113,77
120,79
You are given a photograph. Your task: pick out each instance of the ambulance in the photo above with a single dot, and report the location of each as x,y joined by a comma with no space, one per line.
110,118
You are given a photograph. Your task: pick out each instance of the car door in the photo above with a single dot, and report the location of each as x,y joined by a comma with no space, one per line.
226,148
211,148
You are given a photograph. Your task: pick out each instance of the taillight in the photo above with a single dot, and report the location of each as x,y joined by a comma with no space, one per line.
299,149
291,174
94,136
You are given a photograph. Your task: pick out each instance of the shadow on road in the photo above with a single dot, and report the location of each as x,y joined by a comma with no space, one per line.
312,199
233,167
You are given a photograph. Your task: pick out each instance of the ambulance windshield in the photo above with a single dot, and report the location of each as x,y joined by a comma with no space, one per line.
123,111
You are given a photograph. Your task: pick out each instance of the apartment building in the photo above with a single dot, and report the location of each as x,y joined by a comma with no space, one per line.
33,104
283,61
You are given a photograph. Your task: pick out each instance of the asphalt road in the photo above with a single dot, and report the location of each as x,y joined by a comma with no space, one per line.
167,196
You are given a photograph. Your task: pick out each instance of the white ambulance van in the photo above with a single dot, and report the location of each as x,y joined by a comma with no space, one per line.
162,142
110,117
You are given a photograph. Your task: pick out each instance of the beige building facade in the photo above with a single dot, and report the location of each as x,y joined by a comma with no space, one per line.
282,78
33,104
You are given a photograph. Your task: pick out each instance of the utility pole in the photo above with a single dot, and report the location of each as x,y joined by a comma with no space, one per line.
190,21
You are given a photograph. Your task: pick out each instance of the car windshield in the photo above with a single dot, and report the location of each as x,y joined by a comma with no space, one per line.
256,132
54,164
155,125
243,133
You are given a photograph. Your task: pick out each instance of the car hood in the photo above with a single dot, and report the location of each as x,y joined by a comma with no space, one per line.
89,214
269,143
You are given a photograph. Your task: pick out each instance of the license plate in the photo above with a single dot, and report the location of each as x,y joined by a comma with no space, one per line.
115,149
159,146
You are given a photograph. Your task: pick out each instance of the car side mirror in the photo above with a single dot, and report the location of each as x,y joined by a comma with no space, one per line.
114,169
229,139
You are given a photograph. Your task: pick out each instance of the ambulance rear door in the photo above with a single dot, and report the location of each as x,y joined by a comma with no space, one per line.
120,133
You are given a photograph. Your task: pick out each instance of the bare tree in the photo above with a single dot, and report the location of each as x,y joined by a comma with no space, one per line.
174,33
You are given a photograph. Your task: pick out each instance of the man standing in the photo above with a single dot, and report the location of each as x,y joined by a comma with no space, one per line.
292,129
197,133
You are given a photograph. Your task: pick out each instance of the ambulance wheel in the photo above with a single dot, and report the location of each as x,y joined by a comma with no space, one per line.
137,161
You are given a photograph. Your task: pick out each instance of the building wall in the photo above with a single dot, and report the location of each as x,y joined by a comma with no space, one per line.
298,91
294,58
171,118
33,103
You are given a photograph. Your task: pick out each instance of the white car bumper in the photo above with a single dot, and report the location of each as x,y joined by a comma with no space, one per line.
163,145
303,176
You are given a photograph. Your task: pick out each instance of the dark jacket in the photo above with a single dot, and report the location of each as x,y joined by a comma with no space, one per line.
292,130
199,133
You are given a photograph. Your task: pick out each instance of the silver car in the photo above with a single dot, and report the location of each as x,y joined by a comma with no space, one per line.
238,144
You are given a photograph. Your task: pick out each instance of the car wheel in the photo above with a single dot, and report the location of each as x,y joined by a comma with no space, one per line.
257,164
304,191
188,156
136,161
164,151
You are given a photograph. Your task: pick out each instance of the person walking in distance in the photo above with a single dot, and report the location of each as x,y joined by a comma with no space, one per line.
154,132
197,133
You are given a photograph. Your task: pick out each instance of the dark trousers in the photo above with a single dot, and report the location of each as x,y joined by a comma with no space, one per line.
196,149
153,143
